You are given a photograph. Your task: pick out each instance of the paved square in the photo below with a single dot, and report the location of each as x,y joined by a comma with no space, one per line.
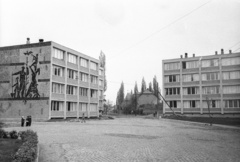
135,139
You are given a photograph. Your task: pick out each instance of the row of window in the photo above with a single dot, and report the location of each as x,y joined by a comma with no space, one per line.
72,90
72,106
72,74
203,63
59,71
59,54
206,104
233,89
205,76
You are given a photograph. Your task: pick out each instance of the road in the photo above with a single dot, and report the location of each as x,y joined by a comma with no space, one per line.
137,140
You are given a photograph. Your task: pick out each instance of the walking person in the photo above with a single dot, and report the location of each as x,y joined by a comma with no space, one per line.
22,121
83,118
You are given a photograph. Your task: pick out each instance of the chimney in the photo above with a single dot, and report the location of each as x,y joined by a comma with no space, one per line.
41,40
222,51
186,55
181,56
28,41
216,53
193,55
230,51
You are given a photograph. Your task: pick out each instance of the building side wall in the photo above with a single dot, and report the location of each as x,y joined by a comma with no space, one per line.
200,98
25,92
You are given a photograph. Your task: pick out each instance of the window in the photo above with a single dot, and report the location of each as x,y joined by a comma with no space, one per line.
57,106
100,72
83,91
172,78
210,90
190,77
211,104
83,62
93,107
58,53
232,103
93,79
231,89
172,91
58,71
231,61
93,93
231,75
72,74
190,90
72,90
100,93
210,63
100,82
210,76
57,88
82,106
191,104
93,66
83,77
72,58
173,104
172,66
190,64
71,106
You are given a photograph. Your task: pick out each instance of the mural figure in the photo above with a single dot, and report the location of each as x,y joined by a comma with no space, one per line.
16,93
22,88
23,80
32,89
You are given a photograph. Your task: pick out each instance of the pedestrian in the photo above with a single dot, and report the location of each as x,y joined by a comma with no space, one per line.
22,121
27,121
83,118
30,121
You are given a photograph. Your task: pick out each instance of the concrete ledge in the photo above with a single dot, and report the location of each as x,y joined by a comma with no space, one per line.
200,123
38,149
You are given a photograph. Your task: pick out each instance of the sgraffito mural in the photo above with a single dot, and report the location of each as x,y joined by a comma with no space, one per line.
25,79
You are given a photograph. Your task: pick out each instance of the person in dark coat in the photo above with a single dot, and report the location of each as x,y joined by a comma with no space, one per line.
22,121
30,121
27,121
83,118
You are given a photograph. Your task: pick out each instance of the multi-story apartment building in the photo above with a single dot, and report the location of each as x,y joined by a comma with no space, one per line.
193,85
47,80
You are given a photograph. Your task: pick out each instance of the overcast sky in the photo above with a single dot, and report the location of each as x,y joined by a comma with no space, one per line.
135,35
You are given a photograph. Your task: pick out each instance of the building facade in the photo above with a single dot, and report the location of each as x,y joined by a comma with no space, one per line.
47,80
197,85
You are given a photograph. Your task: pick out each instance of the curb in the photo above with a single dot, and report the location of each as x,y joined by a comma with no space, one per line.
201,124
38,148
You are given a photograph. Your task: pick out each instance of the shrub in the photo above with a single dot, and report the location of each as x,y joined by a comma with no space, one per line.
28,151
5,134
13,134
2,133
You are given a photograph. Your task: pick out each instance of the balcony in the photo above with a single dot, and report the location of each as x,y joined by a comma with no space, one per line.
57,114
58,61
71,114
72,66
72,81
72,98
58,96
83,99
58,79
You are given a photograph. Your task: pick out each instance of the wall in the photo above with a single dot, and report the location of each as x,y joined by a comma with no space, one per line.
24,81
147,99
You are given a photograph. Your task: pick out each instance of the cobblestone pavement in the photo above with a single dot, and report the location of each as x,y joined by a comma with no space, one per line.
136,140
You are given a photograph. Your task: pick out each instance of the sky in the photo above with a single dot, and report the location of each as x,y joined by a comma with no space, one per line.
135,35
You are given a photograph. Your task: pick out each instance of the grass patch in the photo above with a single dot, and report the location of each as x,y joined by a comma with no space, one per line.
8,147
